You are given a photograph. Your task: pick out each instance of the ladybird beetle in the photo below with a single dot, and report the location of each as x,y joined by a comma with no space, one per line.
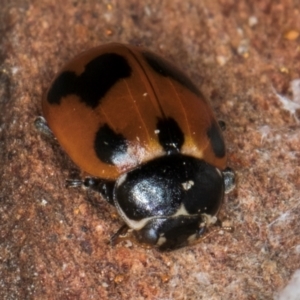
149,138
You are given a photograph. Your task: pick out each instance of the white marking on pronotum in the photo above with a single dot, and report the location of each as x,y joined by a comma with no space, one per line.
161,241
121,180
181,211
187,185
135,225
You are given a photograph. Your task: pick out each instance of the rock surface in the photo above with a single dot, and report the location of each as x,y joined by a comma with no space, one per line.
245,58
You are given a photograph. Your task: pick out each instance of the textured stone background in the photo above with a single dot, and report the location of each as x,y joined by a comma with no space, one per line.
245,56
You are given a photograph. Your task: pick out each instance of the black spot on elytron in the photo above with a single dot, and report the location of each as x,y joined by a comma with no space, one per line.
109,145
167,69
61,87
170,136
216,140
99,76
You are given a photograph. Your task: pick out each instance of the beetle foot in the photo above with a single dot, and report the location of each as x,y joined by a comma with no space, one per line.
124,233
229,180
42,126
203,233
222,125
104,187
74,183
87,182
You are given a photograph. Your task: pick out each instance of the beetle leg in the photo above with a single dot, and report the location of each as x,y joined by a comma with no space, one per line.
126,234
122,234
203,233
229,180
104,187
222,125
41,125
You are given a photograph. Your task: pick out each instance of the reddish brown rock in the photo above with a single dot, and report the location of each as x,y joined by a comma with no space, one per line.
246,58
